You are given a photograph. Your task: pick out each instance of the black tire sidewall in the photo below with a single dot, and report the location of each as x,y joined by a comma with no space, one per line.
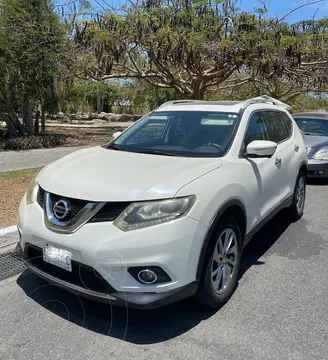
293,209
206,293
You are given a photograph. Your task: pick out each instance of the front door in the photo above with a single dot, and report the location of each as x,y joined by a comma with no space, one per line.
280,130
264,173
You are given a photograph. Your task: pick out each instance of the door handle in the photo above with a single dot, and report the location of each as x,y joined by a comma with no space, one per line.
278,162
297,148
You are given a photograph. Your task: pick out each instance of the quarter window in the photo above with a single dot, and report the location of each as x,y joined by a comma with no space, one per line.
288,123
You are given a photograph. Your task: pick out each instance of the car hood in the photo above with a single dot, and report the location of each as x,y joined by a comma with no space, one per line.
99,174
315,141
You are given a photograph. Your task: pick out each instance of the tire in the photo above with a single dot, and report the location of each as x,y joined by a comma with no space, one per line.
211,291
295,211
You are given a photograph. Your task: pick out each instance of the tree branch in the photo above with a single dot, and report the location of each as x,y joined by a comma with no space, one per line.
120,76
65,4
293,96
315,63
232,86
299,7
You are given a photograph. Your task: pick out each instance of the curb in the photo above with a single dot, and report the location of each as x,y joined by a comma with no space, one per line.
11,248
8,230
8,236
8,243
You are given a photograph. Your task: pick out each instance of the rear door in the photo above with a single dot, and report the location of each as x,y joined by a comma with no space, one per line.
280,130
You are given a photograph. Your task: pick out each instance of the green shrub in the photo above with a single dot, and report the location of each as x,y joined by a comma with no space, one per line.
35,142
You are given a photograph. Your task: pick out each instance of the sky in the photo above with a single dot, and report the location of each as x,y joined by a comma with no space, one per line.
281,7
275,7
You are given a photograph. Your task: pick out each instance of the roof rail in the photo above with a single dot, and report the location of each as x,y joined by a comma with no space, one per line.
264,99
207,102
172,102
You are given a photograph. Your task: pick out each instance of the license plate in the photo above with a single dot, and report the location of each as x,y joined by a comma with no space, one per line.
58,257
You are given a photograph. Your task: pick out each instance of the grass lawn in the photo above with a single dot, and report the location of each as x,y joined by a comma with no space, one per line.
13,185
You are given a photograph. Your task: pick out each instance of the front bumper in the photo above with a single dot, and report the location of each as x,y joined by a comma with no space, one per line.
144,301
108,252
317,168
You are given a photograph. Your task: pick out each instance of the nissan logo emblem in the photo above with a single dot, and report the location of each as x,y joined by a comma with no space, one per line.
61,209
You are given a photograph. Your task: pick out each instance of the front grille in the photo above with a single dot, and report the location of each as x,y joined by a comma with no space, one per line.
81,275
109,212
76,204
40,197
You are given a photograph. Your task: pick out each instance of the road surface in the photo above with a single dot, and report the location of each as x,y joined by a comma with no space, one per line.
29,159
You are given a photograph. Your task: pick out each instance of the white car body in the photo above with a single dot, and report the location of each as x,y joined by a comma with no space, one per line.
257,188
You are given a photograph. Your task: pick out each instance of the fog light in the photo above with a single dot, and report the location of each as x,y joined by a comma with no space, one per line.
147,276
321,172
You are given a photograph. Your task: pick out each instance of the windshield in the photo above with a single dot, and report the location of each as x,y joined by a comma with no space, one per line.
180,133
315,127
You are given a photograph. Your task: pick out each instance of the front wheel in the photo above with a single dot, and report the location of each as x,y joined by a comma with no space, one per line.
220,273
295,211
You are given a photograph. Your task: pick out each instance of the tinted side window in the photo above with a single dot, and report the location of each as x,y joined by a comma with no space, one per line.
288,123
276,126
256,129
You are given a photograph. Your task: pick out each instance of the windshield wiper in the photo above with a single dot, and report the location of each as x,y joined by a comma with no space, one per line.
114,147
156,152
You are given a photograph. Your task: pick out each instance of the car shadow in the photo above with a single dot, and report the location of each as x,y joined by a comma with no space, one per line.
262,242
130,325
317,182
138,326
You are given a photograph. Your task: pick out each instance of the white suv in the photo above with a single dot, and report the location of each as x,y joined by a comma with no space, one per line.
163,211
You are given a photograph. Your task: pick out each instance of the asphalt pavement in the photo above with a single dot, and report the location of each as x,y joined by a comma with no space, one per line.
29,159
279,310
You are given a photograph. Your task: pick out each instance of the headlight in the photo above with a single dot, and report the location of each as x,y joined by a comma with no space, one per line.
32,191
321,156
141,215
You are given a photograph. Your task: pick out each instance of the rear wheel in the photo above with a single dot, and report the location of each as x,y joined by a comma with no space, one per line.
295,211
220,273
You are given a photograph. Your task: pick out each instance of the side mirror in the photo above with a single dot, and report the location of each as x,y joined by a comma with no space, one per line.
260,149
116,135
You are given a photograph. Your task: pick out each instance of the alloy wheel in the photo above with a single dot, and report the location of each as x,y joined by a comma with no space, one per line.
224,260
300,194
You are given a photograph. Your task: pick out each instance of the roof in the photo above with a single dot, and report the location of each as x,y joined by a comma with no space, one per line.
237,106
313,114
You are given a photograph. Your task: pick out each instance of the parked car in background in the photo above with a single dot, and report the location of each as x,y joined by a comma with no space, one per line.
163,211
314,126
